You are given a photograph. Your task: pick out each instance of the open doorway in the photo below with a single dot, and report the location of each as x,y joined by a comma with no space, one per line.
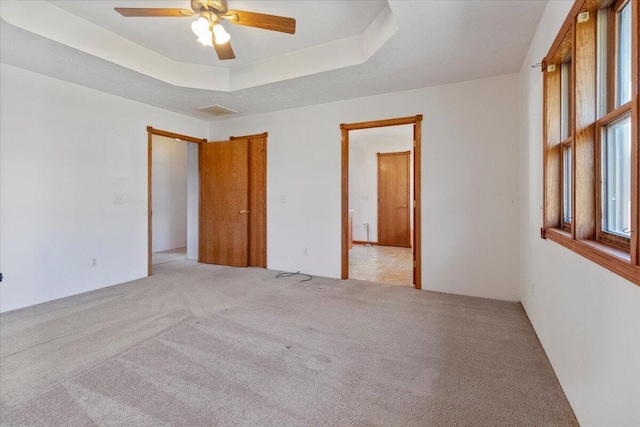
380,201
173,168
380,188
169,203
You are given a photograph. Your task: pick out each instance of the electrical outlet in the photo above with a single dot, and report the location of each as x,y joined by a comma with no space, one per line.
94,262
305,251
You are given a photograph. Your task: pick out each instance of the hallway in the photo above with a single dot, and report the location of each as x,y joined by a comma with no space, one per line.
383,264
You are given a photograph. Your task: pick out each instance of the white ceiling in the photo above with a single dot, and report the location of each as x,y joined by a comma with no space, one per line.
333,55
317,22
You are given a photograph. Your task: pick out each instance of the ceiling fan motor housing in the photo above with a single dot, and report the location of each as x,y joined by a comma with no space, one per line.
218,6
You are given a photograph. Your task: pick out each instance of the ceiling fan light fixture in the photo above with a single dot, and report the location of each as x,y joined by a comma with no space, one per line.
221,34
210,13
200,27
206,39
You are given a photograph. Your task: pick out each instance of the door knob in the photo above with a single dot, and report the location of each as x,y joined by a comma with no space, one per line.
244,211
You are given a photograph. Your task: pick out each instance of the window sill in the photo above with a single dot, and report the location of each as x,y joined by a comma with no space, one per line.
608,257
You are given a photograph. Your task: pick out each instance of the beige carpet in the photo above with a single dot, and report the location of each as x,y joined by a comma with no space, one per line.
199,345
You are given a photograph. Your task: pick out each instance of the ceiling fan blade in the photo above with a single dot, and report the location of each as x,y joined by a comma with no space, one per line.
224,51
147,12
260,20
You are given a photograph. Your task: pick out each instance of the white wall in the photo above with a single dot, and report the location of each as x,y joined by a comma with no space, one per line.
363,179
193,201
169,193
469,193
65,152
587,318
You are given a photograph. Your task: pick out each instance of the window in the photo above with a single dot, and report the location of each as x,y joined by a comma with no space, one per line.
566,188
565,98
623,54
565,136
616,178
614,126
591,160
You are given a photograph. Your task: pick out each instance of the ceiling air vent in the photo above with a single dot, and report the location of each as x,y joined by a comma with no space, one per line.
217,110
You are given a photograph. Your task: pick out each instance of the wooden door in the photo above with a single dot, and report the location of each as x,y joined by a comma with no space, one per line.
393,199
258,201
224,203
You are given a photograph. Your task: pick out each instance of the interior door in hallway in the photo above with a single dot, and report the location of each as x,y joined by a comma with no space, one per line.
224,198
393,199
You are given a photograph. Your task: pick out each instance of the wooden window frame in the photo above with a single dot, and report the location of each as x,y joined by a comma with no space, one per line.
584,235
619,242
612,114
565,224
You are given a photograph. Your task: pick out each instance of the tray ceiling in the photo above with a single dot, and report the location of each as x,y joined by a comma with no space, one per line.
391,46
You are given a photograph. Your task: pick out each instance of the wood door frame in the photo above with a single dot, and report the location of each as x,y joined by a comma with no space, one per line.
396,153
416,121
150,132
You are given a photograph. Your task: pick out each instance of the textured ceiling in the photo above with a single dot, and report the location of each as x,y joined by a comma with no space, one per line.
438,42
317,22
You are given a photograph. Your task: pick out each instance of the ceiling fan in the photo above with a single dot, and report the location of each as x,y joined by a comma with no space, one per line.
208,27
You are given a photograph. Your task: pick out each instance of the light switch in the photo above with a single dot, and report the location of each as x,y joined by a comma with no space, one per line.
120,199
283,198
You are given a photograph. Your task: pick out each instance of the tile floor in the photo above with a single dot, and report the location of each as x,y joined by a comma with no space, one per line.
383,264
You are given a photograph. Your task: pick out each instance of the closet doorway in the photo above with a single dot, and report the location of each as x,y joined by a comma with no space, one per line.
233,202
175,205
229,199
383,196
